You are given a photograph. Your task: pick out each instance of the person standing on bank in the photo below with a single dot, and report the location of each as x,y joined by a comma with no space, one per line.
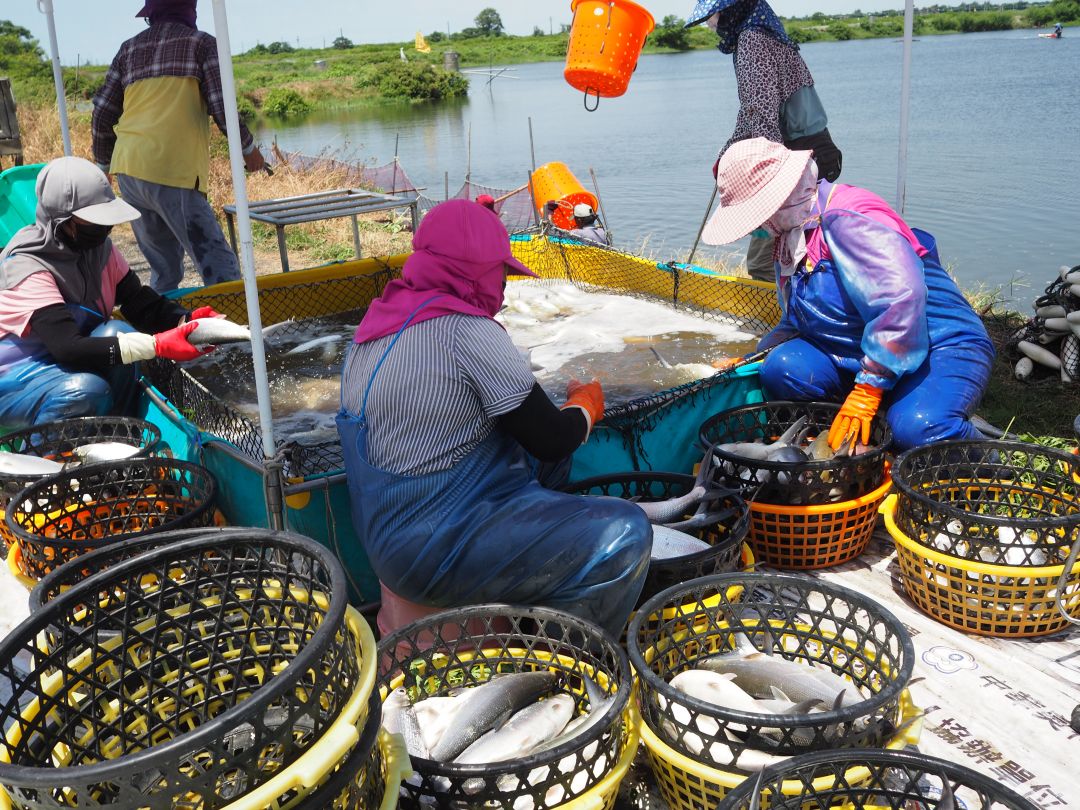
151,129
777,99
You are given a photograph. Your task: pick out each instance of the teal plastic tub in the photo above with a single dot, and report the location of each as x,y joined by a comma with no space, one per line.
18,200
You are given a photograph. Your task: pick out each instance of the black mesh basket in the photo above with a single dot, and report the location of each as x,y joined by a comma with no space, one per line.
211,665
804,620
807,483
75,571
359,782
62,516
57,441
1002,503
725,536
874,780
467,647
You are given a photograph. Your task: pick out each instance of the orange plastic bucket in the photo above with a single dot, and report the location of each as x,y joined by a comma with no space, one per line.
555,181
605,43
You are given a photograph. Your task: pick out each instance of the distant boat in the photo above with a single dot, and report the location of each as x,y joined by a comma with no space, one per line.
1050,36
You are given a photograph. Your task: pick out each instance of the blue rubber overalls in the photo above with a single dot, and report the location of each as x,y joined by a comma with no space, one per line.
34,389
932,349
487,531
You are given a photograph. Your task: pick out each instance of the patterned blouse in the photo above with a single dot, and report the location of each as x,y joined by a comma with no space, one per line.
767,72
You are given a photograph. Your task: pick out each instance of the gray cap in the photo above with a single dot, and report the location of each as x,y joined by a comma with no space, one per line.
72,185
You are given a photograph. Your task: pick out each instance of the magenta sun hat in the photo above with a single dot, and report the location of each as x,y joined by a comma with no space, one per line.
754,177
469,233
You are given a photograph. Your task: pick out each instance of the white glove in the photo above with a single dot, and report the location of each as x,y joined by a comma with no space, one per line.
135,346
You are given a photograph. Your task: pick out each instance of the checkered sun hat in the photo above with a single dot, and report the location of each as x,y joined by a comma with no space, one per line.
755,177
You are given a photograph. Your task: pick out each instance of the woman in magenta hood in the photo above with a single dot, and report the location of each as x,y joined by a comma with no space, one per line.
444,429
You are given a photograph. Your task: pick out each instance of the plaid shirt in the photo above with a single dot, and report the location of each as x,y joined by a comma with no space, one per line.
165,49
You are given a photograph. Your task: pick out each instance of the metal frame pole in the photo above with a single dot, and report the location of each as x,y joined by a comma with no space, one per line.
905,108
704,219
275,509
600,202
46,8
532,148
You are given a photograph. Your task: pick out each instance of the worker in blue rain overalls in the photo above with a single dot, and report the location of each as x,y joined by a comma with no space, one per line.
870,317
444,426
61,353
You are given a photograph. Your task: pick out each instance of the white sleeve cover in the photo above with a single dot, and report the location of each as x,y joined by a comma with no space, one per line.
135,346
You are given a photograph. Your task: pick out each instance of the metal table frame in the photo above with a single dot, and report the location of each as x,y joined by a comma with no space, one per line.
341,202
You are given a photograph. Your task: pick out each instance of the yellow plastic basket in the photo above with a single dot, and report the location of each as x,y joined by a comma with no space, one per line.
603,794
983,598
687,784
14,564
818,536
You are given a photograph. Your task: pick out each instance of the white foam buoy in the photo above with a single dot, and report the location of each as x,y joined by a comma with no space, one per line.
1024,367
1039,354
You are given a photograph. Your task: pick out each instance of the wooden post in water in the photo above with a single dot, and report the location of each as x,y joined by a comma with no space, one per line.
446,184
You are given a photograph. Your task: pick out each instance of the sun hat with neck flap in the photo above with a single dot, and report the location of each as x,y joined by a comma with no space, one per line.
461,257
755,177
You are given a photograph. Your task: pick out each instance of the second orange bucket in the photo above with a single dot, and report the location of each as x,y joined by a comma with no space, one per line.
555,181
605,43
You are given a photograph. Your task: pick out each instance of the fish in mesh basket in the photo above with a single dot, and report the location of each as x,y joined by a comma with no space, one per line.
790,665
506,707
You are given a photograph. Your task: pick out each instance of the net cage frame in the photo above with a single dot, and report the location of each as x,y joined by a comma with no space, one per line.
474,643
726,535
935,482
889,780
851,634
60,438
799,483
74,571
359,781
194,633
52,521
554,255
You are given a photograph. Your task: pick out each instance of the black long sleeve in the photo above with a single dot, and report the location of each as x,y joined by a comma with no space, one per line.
546,432
56,328
145,309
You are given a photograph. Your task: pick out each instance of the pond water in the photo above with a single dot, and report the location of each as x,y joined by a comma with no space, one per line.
993,159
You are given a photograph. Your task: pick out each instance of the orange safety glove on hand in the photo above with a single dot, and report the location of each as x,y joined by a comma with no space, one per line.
204,312
174,345
589,397
855,415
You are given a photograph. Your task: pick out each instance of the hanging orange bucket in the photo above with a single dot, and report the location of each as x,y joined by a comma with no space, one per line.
605,43
555,181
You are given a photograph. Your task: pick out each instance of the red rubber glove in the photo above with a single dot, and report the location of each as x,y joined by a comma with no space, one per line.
856,414
589,397
204,312
174,345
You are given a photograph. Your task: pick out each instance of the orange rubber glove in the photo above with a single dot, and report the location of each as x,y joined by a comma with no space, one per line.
725,363
589,397
856,414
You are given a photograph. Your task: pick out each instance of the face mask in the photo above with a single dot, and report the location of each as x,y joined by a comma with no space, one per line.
789,221
87,236
714,21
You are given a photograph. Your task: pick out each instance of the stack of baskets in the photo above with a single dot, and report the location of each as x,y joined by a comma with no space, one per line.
57,441
983,531
884,780
467,647
803,515
214,668
698,751
726,535
59,517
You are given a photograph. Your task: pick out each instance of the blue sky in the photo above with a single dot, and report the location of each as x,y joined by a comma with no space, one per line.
92,29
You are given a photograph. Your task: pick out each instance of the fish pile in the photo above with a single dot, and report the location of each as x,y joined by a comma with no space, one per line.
1051,340
671,526
1013,547
793,446
25,464
568,332
762,683
509,717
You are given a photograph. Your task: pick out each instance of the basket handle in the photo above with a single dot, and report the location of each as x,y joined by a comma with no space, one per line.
887,506
332,747
397,755
595,106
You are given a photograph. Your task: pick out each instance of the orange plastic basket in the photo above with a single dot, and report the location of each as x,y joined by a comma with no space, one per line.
819,536
605,43
555,181
983,598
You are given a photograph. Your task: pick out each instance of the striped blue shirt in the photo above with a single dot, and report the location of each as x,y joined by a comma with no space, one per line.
438,393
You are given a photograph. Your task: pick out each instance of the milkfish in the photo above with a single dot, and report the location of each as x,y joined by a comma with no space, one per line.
325,341
488,706
757,673
105,451
670,543
22,464
216,331
522,733
398,717
672,511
